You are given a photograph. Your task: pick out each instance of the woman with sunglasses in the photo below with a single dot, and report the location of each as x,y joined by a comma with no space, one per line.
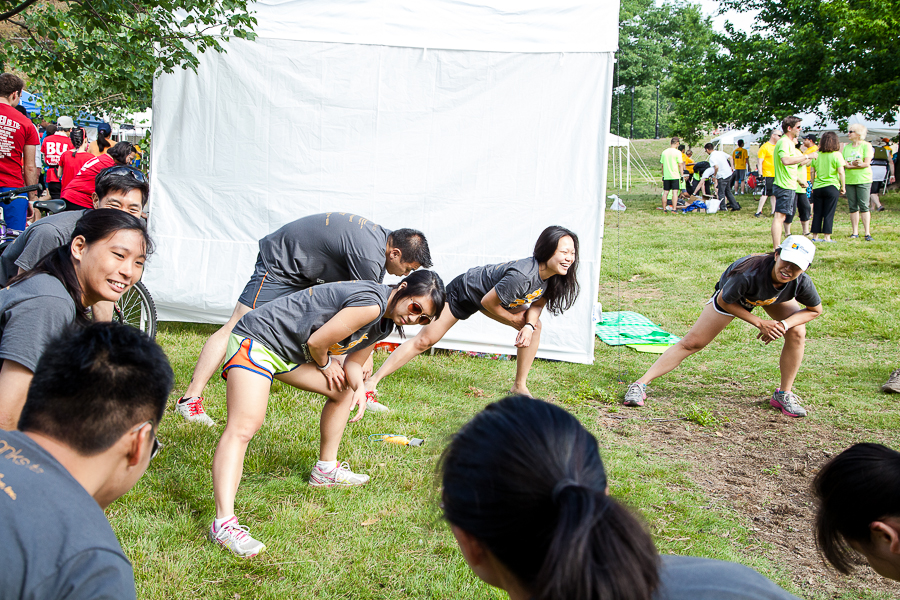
526,495
513,293
78,193
104,259
296,340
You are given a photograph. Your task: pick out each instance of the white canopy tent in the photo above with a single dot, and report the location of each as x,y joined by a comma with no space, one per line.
731,138
478,123
622,163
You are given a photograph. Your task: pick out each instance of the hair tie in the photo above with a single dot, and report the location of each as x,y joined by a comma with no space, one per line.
560,486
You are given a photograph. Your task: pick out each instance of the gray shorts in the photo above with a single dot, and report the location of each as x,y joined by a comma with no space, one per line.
740,176
263,287
785,200
858,197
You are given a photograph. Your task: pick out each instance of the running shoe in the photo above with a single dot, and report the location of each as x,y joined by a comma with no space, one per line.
236,538
340,475
373,404
192,411
880,208
854,237
869,238
788,403
815,239
893,383
757,215
635,394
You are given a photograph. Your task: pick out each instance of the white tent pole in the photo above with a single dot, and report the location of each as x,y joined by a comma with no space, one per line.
628,183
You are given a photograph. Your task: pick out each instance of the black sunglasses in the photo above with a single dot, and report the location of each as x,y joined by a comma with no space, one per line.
157,445
123,170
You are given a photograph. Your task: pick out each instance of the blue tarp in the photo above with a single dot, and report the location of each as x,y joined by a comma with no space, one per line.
29,101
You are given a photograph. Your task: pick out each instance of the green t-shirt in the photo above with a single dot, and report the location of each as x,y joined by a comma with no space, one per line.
785,176
861,152
670,159
826,166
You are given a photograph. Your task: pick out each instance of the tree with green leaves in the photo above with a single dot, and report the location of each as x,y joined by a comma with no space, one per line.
832,58
101,55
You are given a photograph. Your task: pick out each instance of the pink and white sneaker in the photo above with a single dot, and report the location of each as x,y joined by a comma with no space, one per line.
340,475
236,538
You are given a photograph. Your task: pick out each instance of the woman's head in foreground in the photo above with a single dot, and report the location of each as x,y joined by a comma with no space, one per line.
859,508
525,492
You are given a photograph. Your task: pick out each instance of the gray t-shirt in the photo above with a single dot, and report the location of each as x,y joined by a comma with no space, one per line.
517,282
285,325
692,578
32,312
325,248
755,287
36,242
55,541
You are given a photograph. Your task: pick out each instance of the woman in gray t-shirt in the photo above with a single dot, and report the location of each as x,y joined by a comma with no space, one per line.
513,293
295,339
105,258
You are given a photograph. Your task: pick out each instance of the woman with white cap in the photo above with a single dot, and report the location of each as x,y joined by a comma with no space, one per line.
776,281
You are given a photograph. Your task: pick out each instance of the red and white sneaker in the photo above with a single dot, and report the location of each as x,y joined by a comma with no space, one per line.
192,411
373,404
236,538
340,475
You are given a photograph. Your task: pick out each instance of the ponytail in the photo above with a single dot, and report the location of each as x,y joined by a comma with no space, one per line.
102,141
77,136
525,478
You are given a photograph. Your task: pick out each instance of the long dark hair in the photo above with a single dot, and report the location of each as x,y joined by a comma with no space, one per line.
755,260
562,290
94,226
420,283
525,478
120,152
859,486
103,140
77,136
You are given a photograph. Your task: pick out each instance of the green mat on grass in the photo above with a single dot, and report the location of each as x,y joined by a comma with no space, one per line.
634,330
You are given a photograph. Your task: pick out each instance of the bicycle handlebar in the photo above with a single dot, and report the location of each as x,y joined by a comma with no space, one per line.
7,196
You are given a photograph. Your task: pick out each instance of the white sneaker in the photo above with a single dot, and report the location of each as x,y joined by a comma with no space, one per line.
340,475
373,404
236,538
192,411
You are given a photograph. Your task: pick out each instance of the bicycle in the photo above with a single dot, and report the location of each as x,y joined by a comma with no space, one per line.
135,307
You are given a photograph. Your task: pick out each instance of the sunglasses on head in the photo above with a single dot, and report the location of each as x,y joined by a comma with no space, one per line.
157,445
123,170
416,309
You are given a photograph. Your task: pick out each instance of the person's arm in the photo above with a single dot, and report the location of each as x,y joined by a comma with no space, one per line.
353,369
841,174
795,160
768,329
812,175
14,381
491,303
523,339
30,172
346,322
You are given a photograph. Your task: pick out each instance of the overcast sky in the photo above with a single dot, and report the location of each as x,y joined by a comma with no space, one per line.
741,20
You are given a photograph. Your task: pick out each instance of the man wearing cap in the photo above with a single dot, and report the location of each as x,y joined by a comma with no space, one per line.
778,283
18,144
53,147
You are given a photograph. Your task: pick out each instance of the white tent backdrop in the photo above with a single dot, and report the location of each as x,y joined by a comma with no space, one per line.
479,149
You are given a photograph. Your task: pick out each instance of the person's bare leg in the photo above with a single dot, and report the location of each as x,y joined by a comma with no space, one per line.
866,218
429,335
854,223
794,343
805,226
772,204
665,197
708,326
213,353
762,203
247,396
524,360
777,224
874,202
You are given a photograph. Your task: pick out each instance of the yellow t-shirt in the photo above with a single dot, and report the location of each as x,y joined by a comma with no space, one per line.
688,163
740,158
766,157
810,150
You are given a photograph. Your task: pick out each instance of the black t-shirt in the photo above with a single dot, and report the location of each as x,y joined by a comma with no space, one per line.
517,283
755,287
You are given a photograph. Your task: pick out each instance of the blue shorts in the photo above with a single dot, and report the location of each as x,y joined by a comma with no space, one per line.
16,212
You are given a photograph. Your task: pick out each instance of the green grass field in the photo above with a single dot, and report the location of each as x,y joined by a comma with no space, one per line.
711,468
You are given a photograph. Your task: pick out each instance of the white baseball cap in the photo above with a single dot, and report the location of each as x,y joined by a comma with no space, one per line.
798,250
65,123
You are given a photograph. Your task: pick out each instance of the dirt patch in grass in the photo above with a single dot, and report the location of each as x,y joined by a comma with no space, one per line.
627,292
761,465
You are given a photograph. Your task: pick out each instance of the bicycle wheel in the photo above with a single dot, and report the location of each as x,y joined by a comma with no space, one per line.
136,308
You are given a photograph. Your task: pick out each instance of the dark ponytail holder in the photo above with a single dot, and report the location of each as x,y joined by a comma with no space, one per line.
560,486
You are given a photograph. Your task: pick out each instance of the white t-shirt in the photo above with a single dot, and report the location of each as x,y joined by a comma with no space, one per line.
720,159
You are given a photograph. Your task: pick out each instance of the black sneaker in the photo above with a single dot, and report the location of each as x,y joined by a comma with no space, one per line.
869,238
757,215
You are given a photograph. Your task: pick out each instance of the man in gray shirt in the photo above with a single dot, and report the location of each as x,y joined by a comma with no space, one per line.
323,248
87,434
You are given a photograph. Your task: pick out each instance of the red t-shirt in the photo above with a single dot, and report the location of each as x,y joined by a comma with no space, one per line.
72,164
16,132
53,148
81,187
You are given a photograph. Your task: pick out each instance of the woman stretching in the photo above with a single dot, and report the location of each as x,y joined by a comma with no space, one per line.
513,293
293,340
105,257
828,183
777,282
526,496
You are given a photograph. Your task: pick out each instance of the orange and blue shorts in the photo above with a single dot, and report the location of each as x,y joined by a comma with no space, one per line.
247,353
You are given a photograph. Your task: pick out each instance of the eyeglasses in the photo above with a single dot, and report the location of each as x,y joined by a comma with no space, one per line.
123,170
157,445
416,309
